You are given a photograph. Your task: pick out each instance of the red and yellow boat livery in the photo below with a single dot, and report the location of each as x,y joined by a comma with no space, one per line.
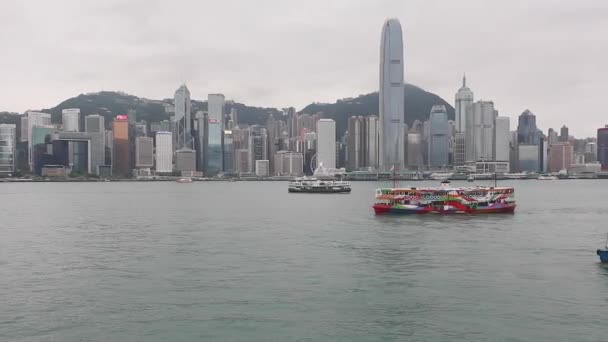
445,200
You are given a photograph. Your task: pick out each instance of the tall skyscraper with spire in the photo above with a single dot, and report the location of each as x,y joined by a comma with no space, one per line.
392,97
464,100
183,119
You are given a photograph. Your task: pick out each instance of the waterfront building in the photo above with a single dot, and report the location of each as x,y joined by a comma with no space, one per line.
464,101
602,147
458,149
215,149
414,151
438,137
326,143
262,168
561,157
35,119
241,161
164,152
185,160
70,118
95,126
288,164
144,152
391,97
502,137
480,132
529,158
23,134
8,149
121,149
182,119
258,145
228,152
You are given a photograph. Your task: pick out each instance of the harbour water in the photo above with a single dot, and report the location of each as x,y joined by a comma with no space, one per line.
247,261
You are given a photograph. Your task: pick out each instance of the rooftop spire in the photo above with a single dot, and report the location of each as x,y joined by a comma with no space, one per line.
464,80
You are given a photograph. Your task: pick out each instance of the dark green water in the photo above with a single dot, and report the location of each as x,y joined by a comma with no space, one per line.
247,261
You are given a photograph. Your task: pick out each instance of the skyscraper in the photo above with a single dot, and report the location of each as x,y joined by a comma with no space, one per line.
35,119
392,96
326,143
480,132
552,137
258,145
70,118
561,157
144,152
438,139
563,134
182,118
215,134
121,149
95,125
8,143
372,136
164,152
602,147
527,132
464,101
502,137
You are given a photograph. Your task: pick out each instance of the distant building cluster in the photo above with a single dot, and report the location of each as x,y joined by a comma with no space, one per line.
214,143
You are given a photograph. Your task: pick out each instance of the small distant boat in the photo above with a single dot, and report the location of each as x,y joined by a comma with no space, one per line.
603,253
470,178
185,180
547,177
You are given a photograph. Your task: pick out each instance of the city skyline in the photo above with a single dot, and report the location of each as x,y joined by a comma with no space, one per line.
524,71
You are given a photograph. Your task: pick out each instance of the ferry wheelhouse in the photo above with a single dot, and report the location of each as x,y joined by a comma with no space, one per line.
445,200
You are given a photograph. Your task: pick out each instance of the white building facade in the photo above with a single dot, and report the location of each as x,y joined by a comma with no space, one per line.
164,152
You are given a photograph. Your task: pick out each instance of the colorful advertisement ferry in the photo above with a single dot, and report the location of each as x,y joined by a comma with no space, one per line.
445,200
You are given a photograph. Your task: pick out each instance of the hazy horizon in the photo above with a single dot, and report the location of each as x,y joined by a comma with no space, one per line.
541,56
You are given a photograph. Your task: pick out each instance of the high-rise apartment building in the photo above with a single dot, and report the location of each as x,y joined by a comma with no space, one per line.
70,118
391,97
326,143
164,152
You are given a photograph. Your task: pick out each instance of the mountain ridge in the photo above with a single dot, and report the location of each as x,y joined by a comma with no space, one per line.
418,103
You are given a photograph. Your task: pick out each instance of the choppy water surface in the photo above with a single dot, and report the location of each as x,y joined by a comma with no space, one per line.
247,261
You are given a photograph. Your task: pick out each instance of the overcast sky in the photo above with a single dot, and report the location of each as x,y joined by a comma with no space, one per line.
548,56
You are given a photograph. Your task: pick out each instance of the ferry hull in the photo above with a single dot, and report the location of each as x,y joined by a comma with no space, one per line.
381,209
320,191
603,254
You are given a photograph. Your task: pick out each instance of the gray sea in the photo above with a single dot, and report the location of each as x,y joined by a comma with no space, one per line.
246,261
